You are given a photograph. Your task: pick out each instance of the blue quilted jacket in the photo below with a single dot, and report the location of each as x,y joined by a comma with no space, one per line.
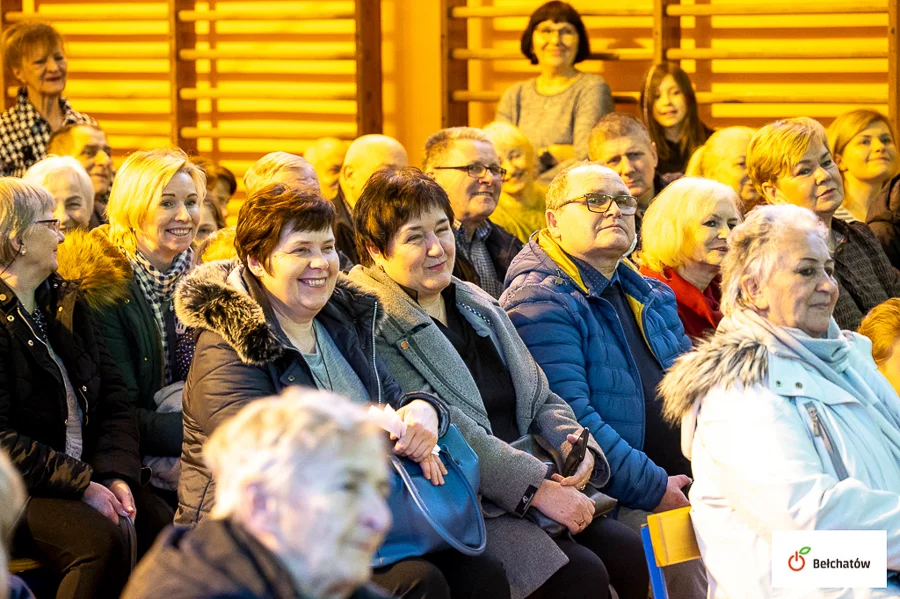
576,337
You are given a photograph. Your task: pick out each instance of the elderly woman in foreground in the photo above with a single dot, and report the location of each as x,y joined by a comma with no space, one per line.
685,232
449,336
300,507
787,420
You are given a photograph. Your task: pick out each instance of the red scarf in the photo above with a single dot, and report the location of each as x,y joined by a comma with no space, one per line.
698,311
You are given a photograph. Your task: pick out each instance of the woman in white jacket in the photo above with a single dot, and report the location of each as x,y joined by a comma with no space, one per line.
787,420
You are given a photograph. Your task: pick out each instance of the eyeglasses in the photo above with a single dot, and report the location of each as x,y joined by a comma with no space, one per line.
600,203
476,171
566,31
50,223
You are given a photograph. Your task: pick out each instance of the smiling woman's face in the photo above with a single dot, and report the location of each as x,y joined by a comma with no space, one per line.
706,241
801,291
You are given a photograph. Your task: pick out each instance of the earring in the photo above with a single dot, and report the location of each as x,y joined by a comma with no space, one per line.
22,250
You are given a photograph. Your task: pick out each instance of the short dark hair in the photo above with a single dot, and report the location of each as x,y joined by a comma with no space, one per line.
223,174
24,37
268,211
558,12
391,198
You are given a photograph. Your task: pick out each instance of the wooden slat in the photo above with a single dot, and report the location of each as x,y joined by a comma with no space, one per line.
7,8
666,30
138,128
120,13
525,10
712,98
183,74
120,53
470,95
275,93
107,94
454,73
769,53
786,8
261,53
513,54
287,131
894,63
369,110
323,11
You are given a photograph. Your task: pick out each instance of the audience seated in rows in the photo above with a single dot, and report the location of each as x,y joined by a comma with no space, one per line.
128,271
686,232
300,507
66,421
261,330
882,326
87,144
520,208
863,146
723,158
669,111
449,336
785,418
35,54
70,186
463,161
326,155
604,335
619,141
366,155
557,109
789,162
281,167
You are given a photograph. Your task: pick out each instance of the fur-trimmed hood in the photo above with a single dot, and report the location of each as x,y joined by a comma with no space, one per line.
215,297
100,269
720,360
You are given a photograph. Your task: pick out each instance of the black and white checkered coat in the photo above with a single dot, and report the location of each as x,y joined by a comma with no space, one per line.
24,134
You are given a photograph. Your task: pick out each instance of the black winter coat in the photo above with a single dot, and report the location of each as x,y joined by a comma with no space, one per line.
242,354
884,220
33,410
217,559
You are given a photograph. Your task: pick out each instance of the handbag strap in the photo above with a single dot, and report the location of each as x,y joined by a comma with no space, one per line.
434,522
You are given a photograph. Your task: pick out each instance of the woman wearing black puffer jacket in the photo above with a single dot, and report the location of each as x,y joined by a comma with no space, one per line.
64,417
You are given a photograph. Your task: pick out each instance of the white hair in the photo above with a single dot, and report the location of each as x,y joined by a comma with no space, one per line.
754,247
53,167
559,186
273,442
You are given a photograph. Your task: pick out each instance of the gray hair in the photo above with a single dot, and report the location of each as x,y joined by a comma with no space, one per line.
20,205
754,247
260,173
273,442
559,186
437,146
52,167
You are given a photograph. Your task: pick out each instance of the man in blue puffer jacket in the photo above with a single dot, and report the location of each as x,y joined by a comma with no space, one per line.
604,335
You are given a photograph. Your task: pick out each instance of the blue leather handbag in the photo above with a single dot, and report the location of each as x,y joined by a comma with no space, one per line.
428,518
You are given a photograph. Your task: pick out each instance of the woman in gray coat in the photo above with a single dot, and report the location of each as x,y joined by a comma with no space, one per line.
451,338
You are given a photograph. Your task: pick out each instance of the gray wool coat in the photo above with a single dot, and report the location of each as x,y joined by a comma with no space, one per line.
420,357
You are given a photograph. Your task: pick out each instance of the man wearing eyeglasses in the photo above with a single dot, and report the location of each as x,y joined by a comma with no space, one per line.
604,336
87,144
464,163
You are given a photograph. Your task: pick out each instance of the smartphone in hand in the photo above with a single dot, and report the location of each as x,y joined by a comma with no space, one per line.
576,456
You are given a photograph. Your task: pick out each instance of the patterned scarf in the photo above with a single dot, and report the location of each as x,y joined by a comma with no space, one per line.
159,289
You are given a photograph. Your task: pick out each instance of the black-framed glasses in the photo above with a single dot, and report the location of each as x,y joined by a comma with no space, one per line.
50,223
600,202
476,171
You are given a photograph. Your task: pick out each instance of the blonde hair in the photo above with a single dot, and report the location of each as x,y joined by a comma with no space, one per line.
261,172
500,132
218,246
20,205
53,167
882,326
706,159
666,224
138,187
778,146
12,502
754,247
273,443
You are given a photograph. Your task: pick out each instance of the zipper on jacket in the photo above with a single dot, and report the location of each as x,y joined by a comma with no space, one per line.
87,404
374,363
821,431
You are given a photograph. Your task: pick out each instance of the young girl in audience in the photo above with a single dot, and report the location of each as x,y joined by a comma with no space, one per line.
669,109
